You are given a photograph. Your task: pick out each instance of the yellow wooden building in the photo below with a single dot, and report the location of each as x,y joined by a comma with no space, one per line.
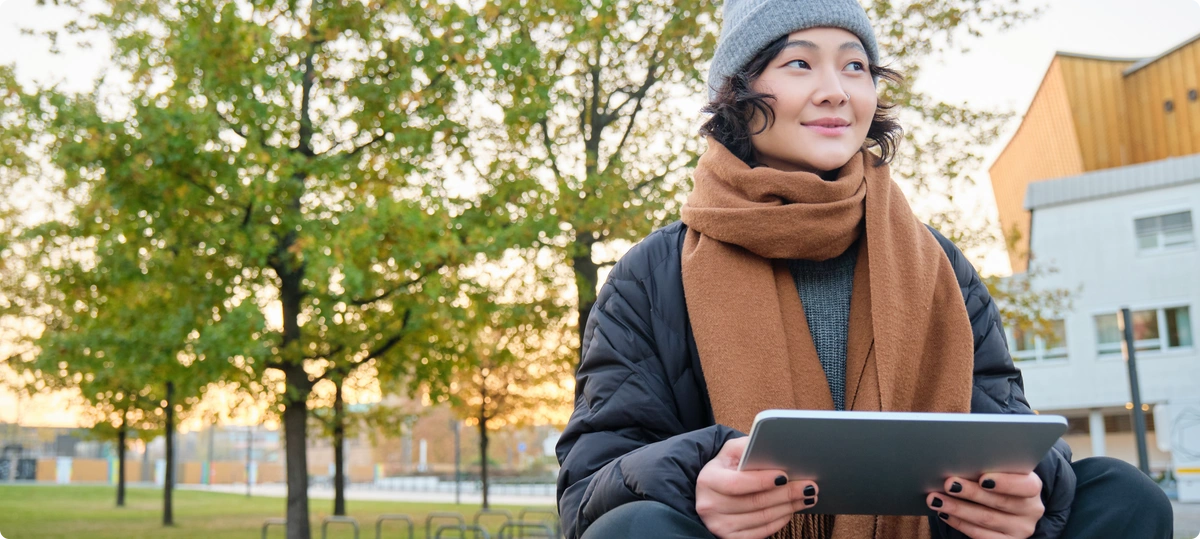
1094,113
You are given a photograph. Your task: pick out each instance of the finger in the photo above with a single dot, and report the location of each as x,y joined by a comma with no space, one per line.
969,529
764,530
796,491
971,491
1021,485
730,482
729,525
977,515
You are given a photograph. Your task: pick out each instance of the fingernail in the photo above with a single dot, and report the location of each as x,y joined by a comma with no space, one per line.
943,516
781,481
937,502
810,491
988,483
810,501
955,487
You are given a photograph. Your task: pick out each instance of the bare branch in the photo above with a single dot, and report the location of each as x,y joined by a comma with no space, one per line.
639,96
391,341
429,270
233,126
549,144
332,352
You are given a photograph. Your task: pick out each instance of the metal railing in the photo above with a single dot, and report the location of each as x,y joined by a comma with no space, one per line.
400,518
273,522
337,520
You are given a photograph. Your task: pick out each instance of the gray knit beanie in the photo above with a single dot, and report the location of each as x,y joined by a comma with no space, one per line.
751,25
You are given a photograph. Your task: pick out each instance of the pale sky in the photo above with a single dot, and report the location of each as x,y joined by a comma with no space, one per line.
1000,70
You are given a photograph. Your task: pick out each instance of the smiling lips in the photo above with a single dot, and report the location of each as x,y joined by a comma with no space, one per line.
830,127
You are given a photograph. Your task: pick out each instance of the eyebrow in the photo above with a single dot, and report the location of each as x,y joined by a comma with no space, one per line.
849,45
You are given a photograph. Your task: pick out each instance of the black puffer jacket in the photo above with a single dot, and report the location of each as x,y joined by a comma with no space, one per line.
643,426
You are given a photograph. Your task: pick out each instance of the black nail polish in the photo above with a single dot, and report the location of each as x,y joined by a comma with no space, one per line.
781,481
810,491
937,502
810,501
955,487
943,516
988,484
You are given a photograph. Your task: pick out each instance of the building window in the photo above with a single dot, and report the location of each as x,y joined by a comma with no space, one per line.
1078,425
1163,232
1124,422
1025,345
1154,330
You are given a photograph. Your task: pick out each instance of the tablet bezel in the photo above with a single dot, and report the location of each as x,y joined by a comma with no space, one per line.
918,451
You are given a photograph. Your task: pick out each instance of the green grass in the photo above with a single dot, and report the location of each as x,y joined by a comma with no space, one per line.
46,512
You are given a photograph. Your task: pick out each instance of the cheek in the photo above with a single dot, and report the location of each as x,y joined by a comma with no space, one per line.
864,108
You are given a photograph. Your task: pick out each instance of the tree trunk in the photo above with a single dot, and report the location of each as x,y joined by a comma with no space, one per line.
169,473
339,441
295,412
483,446
295,416
291,294
586,276
121,435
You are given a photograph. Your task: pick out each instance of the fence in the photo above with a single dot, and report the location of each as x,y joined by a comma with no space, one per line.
499,486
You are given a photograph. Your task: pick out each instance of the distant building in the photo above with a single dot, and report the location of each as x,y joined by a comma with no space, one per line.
1102,183
1123,237
1093,113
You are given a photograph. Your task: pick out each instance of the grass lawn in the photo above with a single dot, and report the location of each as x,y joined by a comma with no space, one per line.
45,512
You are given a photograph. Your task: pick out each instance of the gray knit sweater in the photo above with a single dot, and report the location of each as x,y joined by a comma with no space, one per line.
825,288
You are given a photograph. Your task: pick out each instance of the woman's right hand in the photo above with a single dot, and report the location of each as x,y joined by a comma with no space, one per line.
747,505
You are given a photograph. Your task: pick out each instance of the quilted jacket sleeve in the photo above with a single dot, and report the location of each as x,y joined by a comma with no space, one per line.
999,389
625,441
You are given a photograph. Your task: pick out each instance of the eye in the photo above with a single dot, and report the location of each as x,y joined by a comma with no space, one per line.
857,66
798,63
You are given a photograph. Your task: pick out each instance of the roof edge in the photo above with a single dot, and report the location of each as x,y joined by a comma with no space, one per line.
1133,169
1021,125
1083,56
1146,62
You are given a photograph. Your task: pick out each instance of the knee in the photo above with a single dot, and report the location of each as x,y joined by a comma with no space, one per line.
1116,479
647,515
644,509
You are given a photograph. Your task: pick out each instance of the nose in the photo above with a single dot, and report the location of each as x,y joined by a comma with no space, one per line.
830,90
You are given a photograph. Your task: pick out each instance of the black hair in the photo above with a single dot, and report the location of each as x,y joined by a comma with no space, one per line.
736,105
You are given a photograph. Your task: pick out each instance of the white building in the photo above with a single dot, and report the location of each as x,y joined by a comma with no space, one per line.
1120,237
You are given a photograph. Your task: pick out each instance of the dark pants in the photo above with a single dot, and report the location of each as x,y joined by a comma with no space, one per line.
1112,500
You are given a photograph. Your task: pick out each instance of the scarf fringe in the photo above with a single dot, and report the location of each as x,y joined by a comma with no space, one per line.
807,527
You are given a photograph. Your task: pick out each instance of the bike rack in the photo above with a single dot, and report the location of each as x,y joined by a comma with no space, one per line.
401,518
520,527
444,516
273,522
491,512
462,531
338,520
534,511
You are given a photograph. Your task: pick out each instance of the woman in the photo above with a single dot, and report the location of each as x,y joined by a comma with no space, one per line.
799,278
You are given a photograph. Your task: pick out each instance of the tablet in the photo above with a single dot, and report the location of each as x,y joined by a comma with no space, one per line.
885,463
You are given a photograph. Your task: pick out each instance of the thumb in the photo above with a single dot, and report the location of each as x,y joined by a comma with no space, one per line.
731,453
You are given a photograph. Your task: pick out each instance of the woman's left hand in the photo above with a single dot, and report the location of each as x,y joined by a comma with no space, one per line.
999,506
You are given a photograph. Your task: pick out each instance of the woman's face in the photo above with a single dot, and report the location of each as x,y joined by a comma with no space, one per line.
824,102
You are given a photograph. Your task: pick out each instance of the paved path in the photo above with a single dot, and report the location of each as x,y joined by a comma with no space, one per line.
367,494
1187,520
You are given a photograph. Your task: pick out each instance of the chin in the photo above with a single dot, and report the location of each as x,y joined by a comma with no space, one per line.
827,164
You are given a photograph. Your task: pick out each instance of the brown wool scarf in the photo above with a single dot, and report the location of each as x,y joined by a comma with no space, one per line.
910,345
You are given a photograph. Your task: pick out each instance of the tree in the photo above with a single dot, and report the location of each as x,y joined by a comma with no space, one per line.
117,339
509,346
591,99
288,139
589,114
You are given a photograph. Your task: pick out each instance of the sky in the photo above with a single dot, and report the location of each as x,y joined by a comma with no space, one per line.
999,70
